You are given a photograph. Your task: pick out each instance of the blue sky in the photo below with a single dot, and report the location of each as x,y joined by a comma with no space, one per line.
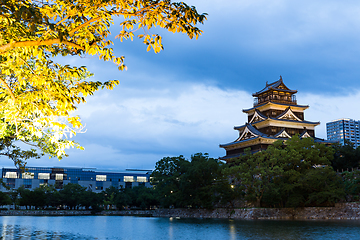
188,98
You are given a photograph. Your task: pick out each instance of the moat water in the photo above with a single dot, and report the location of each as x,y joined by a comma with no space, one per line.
138,228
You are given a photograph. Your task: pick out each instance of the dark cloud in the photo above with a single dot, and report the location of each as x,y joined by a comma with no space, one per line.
187,98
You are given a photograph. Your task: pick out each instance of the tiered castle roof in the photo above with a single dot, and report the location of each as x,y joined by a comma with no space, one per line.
275,115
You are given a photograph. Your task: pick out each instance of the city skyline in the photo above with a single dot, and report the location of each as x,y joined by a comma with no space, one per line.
188,98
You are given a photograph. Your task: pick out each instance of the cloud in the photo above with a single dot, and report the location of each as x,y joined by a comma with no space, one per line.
187,98
326,108
134,128
136,131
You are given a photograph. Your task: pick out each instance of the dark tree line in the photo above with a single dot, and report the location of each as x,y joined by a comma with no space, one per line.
346,157
198,182
295,173
74,196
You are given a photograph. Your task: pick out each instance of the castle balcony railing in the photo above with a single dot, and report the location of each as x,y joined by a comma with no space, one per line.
262,101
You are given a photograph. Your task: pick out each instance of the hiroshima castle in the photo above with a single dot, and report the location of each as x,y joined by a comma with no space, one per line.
274,116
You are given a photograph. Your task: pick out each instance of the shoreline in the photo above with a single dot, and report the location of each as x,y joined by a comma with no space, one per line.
341,211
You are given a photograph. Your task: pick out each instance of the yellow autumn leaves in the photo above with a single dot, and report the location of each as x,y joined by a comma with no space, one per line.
37,94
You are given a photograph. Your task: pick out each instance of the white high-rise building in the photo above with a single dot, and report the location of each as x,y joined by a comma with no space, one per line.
344,129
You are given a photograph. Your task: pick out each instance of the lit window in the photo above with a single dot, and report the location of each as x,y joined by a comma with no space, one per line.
101,178
44,176
11,175
59,176
141,179
128,178
28,175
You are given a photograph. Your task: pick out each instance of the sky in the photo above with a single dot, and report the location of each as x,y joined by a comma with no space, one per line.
187,98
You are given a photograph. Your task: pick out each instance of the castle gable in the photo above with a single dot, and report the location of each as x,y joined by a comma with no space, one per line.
305,134
282,134
257,117
288,114
247,134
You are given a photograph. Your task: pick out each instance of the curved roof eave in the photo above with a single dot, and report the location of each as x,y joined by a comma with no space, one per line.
283,104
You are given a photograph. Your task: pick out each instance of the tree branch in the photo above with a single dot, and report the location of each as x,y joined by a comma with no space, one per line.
113,13
135,13
8,88
84,25
9,46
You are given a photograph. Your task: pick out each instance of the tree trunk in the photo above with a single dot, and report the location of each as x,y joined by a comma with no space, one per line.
258,202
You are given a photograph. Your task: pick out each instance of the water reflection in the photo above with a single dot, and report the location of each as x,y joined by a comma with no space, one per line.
117,227
232,230
18,232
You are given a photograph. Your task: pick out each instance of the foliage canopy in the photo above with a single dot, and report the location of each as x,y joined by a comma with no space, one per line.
198,183
297,174
37,93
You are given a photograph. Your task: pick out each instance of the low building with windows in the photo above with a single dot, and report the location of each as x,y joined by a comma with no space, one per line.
34,177
344,129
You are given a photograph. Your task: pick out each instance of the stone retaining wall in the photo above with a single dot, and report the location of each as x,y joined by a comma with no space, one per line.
147,213
43,213
340,211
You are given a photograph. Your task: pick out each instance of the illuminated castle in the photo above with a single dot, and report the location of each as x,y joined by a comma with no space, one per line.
275,115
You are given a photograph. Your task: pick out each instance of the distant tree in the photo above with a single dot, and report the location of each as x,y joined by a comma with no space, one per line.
122,200
71,194
38,198
198,183
25,198
4,199
346,157
14,196
142,197
258,173
295,173
52,196
90,199
352,185
166,178
109,195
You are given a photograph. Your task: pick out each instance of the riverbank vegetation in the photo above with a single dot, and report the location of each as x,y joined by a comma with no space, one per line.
73,196
301,173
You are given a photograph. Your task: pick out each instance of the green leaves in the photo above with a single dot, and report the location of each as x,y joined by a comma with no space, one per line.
198,183
295,173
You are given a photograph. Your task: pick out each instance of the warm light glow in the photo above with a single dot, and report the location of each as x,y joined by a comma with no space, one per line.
44,176
101,178
59,176
28,175
128,178
141,179
11,175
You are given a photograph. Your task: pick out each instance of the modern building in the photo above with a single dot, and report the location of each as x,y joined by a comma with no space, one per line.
275,115
344,129
93,180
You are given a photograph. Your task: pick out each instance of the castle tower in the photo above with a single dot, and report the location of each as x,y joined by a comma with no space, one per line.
275,115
